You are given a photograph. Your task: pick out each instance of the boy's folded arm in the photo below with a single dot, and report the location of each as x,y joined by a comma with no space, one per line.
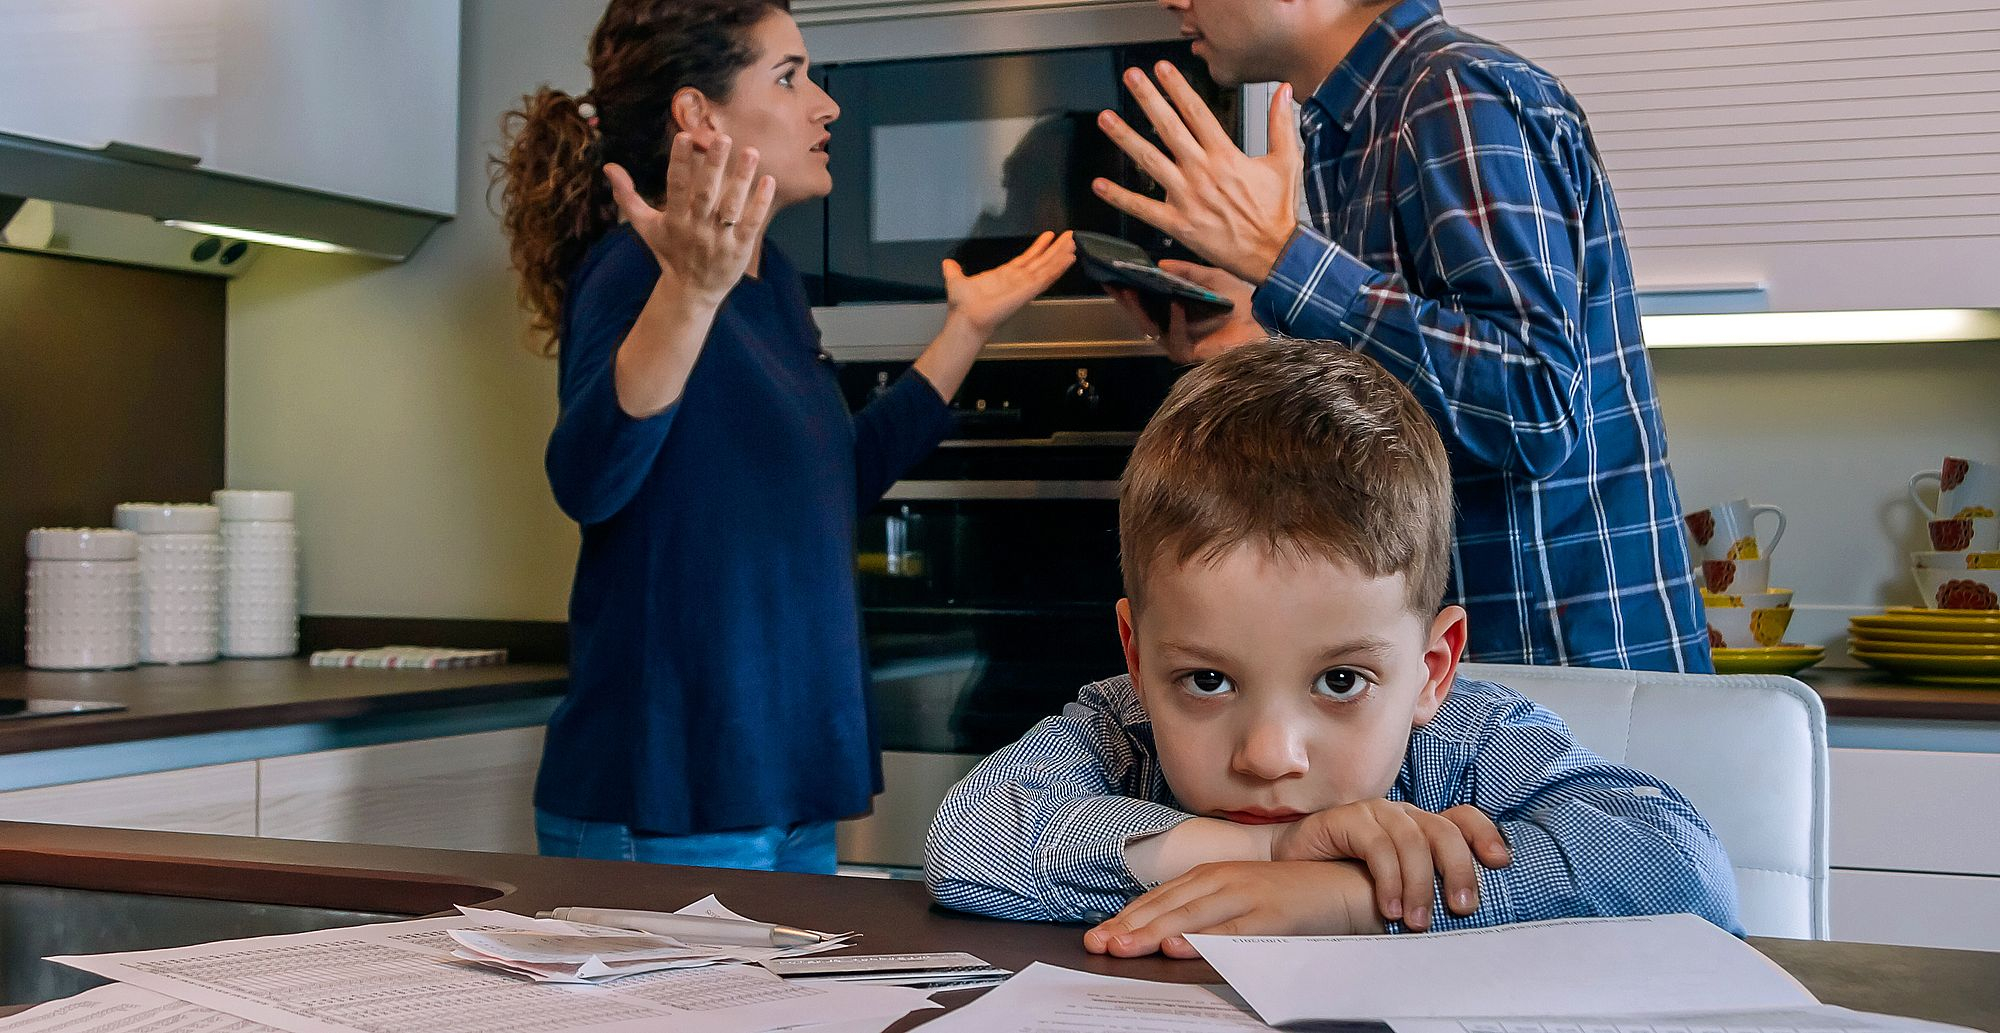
1039,830
1590,838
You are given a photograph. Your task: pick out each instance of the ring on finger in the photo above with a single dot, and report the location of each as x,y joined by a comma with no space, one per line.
725,220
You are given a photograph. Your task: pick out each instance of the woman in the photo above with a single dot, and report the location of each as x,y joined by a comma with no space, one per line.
717,710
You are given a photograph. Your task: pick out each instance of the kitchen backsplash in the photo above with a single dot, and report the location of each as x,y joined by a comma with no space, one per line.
112,391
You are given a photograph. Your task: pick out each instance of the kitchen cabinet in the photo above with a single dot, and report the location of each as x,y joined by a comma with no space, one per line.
461,792
1839,153
218,799
358,98
1915,847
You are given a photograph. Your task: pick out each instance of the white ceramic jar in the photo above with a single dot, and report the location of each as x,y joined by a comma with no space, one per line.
180,580
260,574
83,588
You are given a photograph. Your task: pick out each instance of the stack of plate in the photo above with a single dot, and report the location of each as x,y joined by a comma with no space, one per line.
1942,647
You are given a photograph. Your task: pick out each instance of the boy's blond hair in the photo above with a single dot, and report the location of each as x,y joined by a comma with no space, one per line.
1299,446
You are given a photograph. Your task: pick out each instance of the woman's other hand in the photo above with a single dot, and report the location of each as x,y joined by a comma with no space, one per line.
710,219
985,301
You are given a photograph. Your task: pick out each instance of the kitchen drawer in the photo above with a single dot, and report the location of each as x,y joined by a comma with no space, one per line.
461,792
1916,811
1961,911
219,799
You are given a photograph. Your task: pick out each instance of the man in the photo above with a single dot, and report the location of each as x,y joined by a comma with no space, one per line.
1462,233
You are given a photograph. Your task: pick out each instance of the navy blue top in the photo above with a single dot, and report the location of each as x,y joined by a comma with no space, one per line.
717,678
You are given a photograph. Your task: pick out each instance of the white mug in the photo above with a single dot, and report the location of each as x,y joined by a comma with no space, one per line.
1727,532
1966,487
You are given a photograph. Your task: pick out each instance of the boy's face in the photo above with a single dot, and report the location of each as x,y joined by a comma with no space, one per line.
1281,685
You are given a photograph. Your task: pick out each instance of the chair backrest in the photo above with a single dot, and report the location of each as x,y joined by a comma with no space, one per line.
1749,751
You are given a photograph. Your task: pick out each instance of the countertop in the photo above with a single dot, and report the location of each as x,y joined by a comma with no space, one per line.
245,694
193,699
1943,985
1866,692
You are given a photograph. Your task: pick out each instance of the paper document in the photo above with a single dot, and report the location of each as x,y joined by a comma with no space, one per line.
125,1009
400,977
1566,967
1817,1018
1048,999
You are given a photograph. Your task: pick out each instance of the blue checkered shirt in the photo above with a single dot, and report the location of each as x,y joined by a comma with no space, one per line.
1463,235
1038,830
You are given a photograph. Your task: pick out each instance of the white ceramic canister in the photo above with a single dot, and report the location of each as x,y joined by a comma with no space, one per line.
180,580
83,590
260,574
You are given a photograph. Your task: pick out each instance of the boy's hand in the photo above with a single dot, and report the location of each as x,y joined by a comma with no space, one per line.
1242,898
1406,849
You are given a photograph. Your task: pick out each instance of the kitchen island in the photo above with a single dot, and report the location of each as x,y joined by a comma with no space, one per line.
1949,986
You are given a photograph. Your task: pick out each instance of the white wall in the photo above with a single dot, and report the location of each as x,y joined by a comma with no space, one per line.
401,403
1831,435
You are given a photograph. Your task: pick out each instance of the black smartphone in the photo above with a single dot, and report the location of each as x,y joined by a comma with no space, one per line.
1110,260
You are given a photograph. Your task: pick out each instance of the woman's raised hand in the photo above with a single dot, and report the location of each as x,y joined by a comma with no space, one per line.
710,217
985,301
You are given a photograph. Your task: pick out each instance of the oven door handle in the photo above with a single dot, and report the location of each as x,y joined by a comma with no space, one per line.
979,491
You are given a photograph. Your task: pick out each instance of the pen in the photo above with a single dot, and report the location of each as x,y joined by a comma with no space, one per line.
693,928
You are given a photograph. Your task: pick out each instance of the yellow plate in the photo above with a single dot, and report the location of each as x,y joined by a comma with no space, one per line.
1910,619
1911,663
1960,638
1772,660
1957,681
1869,645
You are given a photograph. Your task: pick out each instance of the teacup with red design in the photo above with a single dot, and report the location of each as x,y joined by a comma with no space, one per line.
1728,532
1741,627
1736,577
1965,488
1966,534
1958,589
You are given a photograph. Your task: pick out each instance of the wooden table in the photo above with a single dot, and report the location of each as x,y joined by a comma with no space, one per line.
1960,987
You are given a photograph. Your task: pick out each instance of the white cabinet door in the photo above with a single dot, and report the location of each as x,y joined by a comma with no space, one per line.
463,792
1915,811
218,800
1915,910
1838,152
358,97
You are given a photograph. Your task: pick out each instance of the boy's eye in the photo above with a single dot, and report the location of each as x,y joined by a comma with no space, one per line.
1342,684
1207,683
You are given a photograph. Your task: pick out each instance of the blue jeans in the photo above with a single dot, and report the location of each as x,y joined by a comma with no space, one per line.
805,847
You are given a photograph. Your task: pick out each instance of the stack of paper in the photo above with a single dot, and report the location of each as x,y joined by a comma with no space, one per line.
561,957
404,977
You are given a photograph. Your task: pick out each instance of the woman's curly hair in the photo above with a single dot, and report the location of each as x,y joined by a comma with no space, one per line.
554,200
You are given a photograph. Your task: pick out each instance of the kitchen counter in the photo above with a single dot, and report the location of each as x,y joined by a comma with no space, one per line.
238,695
243,695
1869,693
1949,986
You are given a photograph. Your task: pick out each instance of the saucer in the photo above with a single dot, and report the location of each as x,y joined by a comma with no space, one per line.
1784,659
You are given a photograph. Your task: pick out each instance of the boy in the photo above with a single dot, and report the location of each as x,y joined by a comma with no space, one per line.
1289,752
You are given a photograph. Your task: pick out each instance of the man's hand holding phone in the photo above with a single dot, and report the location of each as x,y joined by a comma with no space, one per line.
1195,332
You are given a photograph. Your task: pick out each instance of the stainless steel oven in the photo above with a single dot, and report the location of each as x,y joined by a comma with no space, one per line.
989,575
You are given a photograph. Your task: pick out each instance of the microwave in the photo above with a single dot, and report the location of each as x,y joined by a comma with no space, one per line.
968,157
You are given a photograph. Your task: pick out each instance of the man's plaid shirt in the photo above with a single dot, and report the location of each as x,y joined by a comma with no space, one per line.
1463,235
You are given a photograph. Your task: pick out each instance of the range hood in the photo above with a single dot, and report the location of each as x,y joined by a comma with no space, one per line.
138,206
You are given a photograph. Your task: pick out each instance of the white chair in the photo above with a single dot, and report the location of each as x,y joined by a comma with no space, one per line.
1749,751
